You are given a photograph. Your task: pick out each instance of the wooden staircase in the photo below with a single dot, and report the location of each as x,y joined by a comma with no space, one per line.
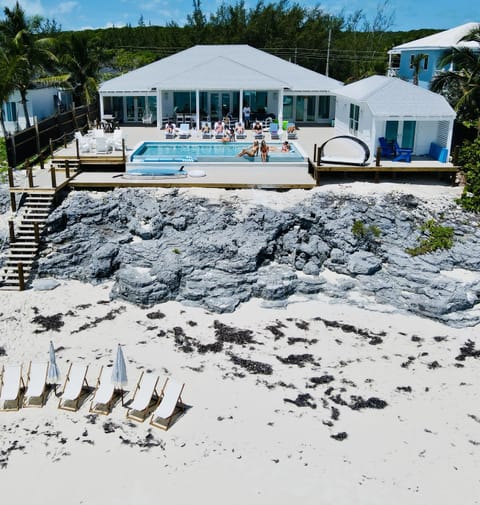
26,241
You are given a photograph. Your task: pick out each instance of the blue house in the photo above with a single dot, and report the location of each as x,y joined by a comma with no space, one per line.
400,57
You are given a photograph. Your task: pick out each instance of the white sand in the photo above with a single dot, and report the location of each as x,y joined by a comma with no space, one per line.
240,442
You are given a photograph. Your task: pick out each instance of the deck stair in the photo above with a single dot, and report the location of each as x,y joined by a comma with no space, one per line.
23,251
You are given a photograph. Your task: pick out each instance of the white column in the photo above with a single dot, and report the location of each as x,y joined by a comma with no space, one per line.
280,108
240,107
159,109
101,106
197,109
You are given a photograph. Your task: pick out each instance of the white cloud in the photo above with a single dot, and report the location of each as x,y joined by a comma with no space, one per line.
31,7
65,8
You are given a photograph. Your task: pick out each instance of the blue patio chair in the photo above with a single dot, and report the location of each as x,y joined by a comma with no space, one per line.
402,153
274,131
387,148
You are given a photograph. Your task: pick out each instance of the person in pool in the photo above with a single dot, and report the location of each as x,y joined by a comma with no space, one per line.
285,147
264,150
250,151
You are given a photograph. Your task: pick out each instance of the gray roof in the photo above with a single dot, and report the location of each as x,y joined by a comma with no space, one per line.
390,97
442,40
221,67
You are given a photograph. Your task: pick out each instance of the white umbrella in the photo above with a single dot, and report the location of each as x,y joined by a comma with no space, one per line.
53,376
119,371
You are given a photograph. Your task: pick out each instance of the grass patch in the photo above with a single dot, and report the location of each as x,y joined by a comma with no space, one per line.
437,237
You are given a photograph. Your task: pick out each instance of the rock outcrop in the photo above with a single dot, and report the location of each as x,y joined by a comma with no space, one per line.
219,254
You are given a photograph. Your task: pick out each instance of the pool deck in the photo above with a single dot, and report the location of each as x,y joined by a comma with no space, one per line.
107,170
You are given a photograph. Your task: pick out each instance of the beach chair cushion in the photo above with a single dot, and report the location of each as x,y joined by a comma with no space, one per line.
11,383
171,399
37,378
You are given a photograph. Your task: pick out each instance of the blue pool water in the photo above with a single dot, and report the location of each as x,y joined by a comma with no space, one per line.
191,152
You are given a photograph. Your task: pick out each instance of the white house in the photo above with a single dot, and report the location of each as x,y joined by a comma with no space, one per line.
389,107
206,81
400,57
41,103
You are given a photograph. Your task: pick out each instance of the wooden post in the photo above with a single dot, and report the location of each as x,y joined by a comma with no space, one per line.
315,152
42,164
36,232
67,169
378,156
65,140
11,230
21,277
11,182
123,149
37,136
53,176
78,149
13,202
29,175
51,147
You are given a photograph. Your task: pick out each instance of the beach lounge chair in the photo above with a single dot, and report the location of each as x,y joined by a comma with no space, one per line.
206,134
274,135
36,385
387,148
170,134
170,404
145,397
291,131
240,135
75,384
104,396
184,131
11,385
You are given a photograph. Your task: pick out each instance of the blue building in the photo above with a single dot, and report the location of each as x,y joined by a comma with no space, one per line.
400,57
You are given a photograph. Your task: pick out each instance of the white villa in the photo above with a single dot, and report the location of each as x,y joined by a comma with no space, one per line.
389,107
205,82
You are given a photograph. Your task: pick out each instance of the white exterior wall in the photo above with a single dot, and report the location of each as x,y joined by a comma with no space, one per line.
342,111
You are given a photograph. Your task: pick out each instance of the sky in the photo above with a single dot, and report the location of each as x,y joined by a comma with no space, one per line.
83,14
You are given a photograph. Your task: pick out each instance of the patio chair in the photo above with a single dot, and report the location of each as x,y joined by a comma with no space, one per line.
75,385
219,128
184,131
274,135
11,385
291,131
206,134
83,143
102,146
117,141
170,404
402,153
387,148
36,385
242,134
104,396
144,397
147,118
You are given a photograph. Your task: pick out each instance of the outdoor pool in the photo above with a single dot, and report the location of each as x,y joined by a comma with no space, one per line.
210,152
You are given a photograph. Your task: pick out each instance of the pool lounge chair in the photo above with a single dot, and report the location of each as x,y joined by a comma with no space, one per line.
205,134
240,136
145,397
274,135
11,385
75,385
184,131
36,385
292,134
170,404
104,396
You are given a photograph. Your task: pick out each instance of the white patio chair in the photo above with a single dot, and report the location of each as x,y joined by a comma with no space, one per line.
36,385
83,143
117,140
102,146
103,398
170,404
11,385
144,397
75,384
184,131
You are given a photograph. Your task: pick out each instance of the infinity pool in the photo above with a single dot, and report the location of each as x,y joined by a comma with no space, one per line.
214,152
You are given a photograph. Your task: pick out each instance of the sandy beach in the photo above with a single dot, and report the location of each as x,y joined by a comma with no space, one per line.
318,402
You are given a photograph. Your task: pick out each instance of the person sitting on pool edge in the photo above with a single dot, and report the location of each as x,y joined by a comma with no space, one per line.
285,147
264,150
250,151
257,128
228,135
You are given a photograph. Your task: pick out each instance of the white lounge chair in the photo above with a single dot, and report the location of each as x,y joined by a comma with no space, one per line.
83,143
184,131
241,134
36,385
206,134
147,118
144,397
291,131
103,398
117,140
11,385
170,404
75,384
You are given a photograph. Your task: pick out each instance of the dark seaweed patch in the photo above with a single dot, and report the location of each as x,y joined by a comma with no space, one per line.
302,400
48,323
255,367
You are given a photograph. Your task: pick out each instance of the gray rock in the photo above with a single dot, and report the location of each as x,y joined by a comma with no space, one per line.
45,284
363,263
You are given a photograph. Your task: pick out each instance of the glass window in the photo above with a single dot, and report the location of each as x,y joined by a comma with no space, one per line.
257,100
184,101
354,117
391,131
11,111
323,107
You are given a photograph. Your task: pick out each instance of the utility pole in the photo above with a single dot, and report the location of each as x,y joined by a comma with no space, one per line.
328,50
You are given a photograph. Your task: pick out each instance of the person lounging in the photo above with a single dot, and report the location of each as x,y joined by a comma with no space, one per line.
250,151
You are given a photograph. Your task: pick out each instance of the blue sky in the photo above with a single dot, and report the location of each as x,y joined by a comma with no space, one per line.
81,14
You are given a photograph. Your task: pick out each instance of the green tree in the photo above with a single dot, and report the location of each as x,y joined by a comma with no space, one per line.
9,67
19,39
417,64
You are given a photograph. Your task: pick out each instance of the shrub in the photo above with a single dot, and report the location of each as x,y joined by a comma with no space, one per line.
469,159
438,237
360,231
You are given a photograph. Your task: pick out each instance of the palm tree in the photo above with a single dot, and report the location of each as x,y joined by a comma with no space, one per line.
19,40
7,82
461,84
80,59
416,63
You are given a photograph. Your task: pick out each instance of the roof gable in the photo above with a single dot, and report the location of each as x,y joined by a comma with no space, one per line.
390,97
